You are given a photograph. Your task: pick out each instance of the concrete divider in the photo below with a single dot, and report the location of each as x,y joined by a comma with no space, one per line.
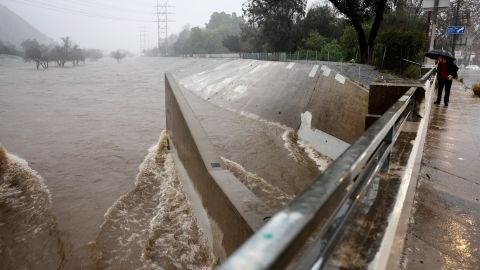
234,212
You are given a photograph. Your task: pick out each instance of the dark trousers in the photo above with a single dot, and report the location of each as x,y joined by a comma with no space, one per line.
448,85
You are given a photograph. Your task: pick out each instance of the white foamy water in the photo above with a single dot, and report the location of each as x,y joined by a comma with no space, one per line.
270,123
29,238
152,226
304,153
271,195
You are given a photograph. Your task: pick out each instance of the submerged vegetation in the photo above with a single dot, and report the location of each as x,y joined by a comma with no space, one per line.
67,51
60,53
476,89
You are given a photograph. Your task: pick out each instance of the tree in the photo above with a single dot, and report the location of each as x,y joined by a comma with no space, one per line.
277,21
118,55
349,43
232,43
315,41
226,24
35,52
210,39
6,48
323,20
65,53
197,40
183,45
461,12
77,55
56,54
250,39
94,54
359,12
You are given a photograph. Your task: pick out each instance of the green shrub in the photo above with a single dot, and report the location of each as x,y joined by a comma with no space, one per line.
412,72
397,45
315,41
476,89
330,52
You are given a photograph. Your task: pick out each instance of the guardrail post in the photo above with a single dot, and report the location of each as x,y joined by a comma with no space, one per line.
386,163
411,108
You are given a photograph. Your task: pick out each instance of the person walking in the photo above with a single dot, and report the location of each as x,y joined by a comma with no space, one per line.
446,72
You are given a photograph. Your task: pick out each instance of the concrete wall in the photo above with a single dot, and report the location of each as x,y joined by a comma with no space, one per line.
338,106
281,92
235,213
383,95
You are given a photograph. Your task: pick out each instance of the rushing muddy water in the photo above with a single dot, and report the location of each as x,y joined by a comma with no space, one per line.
152,226
86,130
29,238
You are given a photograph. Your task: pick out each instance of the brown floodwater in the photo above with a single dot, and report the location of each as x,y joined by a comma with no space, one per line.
86,130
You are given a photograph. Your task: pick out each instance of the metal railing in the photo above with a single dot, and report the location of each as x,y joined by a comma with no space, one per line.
328,202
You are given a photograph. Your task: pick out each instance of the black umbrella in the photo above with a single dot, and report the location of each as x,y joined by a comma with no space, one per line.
434,54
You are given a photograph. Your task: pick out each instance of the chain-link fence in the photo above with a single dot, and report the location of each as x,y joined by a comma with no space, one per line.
300,55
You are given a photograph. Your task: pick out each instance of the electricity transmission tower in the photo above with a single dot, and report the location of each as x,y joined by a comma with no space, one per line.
162,23
142,35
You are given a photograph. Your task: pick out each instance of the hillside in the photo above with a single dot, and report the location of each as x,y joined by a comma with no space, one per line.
14,29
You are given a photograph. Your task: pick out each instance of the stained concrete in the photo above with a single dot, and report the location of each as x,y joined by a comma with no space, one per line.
281,92
444,230
256,145
234,211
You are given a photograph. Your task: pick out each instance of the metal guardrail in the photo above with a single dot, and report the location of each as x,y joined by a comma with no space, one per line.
328,202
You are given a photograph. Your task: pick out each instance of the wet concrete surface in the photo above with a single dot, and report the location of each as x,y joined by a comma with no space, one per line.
363,235
360,73
444,231
256,145
470,77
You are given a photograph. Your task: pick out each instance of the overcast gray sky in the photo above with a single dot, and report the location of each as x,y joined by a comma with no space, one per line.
113,24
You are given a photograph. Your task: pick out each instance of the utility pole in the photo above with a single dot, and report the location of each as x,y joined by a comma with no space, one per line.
455,37
162,23
434,25
434,5
158,28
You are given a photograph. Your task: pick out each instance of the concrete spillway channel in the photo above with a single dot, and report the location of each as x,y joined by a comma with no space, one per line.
278,126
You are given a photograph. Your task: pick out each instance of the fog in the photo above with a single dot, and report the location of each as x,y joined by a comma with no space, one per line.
114,24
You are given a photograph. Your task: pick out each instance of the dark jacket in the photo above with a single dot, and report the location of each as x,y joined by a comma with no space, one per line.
452,69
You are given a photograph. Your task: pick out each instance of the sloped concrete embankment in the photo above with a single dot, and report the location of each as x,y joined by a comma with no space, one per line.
281,92
234,212
258,90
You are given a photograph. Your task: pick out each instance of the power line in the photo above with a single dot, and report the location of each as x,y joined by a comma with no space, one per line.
73,11
96,4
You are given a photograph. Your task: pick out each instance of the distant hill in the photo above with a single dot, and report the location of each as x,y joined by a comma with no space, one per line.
14,29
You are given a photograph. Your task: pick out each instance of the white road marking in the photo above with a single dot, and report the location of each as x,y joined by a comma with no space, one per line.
326,71
313,72
340,78
290,66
